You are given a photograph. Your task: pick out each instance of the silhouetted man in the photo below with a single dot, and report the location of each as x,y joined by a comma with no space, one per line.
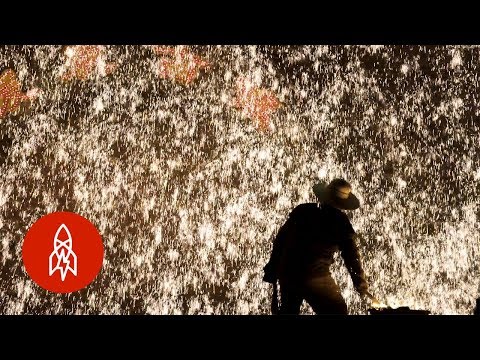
303,251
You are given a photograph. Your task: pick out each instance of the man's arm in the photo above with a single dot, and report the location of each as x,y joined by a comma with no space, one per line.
351,257
279,243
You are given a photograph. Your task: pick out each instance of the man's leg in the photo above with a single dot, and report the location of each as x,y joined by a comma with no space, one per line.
290,300
324,296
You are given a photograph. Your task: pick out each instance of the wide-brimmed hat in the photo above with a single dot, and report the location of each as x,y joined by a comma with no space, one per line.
338,193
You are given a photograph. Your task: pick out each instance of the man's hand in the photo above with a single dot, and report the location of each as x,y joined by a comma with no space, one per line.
372,300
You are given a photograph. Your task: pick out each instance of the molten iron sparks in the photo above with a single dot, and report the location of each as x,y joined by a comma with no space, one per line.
11,96
85,61
179,64
256,103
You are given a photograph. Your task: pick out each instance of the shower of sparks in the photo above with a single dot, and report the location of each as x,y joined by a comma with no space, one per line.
256,103
83,62
187,195
178,64
11,95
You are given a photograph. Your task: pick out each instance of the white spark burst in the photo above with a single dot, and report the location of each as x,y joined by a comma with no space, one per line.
456,59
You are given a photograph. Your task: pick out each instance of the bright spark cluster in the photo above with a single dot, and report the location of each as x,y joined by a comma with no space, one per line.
179,64
187,164
11,96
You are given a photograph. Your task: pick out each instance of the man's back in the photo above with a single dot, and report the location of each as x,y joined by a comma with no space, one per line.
312,235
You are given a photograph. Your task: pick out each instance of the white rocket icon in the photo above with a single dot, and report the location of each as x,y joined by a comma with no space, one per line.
62,257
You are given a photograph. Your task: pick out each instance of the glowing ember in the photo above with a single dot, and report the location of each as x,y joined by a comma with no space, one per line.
11,96
256,103
379,305
179,64
85,61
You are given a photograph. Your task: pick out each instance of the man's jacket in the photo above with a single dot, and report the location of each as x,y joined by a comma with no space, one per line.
305,245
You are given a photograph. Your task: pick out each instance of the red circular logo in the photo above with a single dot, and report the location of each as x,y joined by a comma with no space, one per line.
62,252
